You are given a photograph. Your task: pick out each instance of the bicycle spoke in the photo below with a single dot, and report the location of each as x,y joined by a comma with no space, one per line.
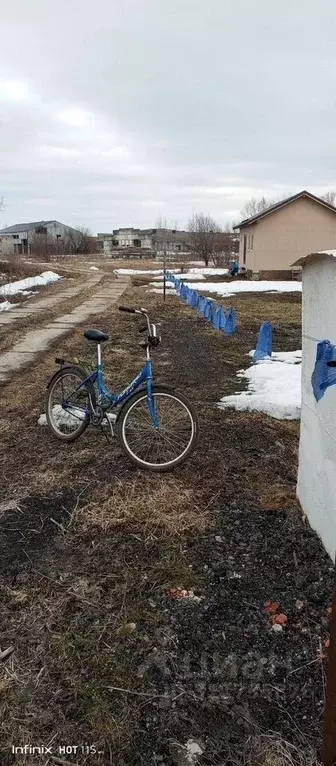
68,404
163,444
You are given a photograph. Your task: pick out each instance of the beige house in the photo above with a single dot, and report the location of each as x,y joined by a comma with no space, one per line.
271,241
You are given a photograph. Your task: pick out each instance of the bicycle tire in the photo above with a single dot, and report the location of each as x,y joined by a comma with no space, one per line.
122,418
65,371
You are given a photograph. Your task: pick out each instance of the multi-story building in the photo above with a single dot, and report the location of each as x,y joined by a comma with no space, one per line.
152,242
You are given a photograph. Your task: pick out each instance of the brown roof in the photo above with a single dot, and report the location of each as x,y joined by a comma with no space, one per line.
282,203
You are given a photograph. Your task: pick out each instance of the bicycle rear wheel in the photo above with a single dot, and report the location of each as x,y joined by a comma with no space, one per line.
162,448
68,404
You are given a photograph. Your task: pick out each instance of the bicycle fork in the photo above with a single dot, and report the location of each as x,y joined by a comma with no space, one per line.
150,397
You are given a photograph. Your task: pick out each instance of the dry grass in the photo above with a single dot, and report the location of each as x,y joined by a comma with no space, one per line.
272,750
139,281
15,268
276,496
99,563
166,508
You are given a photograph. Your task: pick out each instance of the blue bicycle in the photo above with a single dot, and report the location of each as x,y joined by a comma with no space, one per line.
156,427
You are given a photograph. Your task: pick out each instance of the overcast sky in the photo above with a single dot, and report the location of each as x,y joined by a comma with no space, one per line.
114,112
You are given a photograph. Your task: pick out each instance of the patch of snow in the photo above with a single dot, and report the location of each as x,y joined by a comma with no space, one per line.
195,263
94,268
160,284
327,252
190,276
64,417
183,277
274,387
6,305
291,357
227,295
12,288
247,286
159,290
209,272
137,272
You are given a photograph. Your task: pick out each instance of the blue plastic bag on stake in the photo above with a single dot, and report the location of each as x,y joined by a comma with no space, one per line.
219,319
323,376
201,303
208,310
264,343
230,324
190,296
194,302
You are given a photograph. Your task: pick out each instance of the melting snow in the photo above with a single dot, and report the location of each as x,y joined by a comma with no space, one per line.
274,387
65,418
209,272
12,288
6,305
248,286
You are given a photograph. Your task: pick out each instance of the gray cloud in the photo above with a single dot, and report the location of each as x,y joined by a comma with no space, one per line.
112,113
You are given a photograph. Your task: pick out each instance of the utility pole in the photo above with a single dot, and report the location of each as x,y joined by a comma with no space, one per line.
164,273
329,728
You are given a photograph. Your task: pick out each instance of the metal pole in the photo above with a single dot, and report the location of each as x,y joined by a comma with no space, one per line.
329,729
164,275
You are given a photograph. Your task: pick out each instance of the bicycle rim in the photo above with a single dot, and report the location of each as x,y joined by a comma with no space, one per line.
161,447
68,405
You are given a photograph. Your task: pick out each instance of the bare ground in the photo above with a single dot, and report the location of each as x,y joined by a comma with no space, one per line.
90,548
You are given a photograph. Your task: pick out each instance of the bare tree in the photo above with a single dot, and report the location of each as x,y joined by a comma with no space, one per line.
161,222
42,246
254,206
203,236
225,249
80,241
330,197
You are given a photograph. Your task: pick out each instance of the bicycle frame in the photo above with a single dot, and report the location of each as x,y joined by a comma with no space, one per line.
107,400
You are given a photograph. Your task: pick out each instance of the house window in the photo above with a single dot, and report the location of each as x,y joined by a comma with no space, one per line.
252,237
244,248
16,236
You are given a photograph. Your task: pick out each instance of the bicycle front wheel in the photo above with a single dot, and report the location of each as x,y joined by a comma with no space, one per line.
166,446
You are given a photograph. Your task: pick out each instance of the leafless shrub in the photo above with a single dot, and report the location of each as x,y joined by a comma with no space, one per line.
16,268
254,206
330,197
183,267
203,232
80,241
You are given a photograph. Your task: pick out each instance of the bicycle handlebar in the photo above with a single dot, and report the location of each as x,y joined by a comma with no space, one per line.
132,311
129,311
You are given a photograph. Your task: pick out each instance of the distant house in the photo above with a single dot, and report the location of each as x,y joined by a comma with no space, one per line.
273,239
19,239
